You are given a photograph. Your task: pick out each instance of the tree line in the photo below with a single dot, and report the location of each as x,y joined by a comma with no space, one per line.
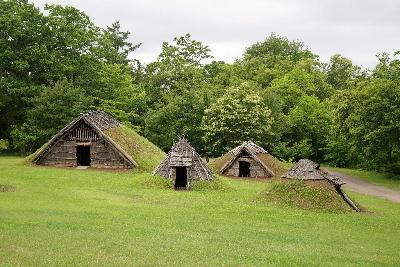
56,63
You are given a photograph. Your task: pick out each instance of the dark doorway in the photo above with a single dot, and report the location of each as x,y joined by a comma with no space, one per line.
83,155
244,169
181,178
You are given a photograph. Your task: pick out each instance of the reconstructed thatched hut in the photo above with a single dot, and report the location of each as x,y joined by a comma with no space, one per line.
183,165
309,172
248,160
98,140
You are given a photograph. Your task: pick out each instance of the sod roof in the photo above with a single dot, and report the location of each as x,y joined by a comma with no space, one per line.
134,148
272,164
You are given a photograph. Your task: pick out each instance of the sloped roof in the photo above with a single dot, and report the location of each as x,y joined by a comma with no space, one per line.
306,169
182,154
99,121
249,146
256,152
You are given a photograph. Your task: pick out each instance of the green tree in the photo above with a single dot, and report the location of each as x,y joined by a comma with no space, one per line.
341,72
54,107
38,49
178,92
366,118
239,115
265,61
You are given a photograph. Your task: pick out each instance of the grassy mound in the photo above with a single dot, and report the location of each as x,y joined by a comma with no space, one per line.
217,163
318,196
273,163
146,154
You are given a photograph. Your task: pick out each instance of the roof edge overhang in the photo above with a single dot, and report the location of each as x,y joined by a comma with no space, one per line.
254,156
39,155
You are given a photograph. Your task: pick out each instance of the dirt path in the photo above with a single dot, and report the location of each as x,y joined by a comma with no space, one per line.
360,186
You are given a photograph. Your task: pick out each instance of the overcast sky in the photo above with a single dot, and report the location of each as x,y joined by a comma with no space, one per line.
357,29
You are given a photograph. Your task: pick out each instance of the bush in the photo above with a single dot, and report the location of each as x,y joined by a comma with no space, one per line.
3,145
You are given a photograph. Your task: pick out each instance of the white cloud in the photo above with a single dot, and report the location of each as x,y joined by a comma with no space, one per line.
357,29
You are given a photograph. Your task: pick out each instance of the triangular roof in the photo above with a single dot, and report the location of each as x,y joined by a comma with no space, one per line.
99,121
182,154
255,151
306,169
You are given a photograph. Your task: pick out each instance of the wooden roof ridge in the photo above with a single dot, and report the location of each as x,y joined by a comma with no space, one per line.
306,169
250,145
181,150
99,121
252,149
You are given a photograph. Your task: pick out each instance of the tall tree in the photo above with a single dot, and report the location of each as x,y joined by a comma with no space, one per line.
237,116
55,106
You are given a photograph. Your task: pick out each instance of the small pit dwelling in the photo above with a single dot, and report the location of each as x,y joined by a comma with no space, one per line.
248,160
183,165
97,140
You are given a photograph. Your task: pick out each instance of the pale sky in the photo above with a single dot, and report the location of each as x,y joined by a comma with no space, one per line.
357,29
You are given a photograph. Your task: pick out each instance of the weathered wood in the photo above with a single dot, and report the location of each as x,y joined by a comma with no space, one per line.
248,152
88,130
347,199
182,154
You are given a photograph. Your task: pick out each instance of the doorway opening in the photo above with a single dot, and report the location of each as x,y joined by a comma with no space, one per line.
244,169
83,156
181,178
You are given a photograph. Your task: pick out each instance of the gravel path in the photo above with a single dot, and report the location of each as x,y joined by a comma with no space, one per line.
357,185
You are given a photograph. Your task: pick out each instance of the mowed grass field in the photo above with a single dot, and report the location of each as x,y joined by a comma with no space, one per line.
67,217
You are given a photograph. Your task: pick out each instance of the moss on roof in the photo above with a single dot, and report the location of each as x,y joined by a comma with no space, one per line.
273,163
146,154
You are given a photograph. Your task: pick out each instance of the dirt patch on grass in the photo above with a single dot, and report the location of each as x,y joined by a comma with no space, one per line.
317,195
7,188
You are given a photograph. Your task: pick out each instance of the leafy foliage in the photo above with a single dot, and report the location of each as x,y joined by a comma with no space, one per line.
57,63
237,116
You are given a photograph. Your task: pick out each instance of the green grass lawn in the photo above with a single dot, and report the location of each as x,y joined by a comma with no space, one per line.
72,217
385,179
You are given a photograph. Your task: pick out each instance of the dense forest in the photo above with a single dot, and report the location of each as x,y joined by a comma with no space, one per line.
56,63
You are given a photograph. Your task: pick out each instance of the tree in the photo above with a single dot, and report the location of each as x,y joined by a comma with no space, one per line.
309,127
52,109
265,61
237,116
178,92
38,49
114,45
181,115
340,72
366,120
